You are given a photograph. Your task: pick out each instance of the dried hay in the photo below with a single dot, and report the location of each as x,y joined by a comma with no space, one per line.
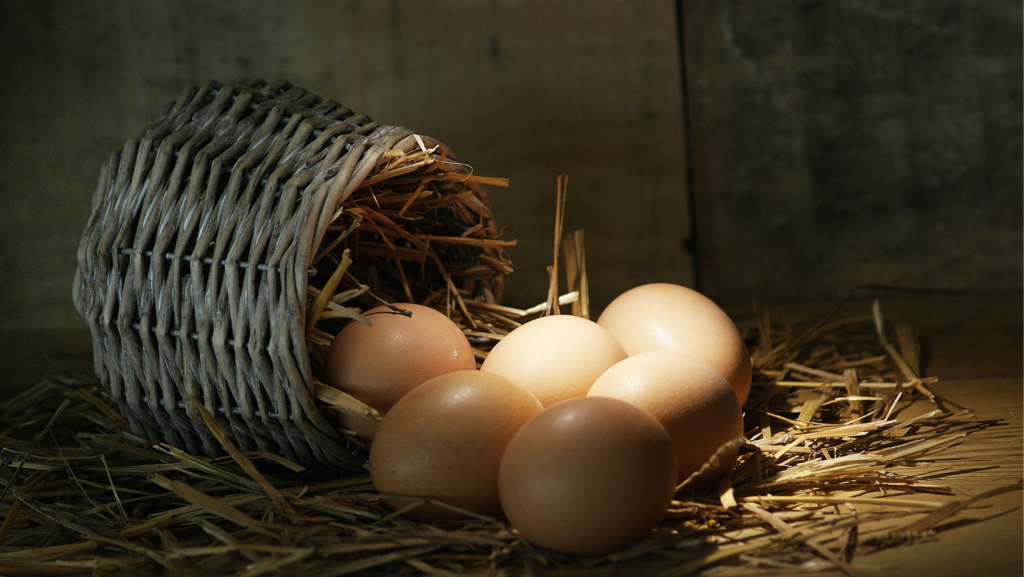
418,230
81,494
822,477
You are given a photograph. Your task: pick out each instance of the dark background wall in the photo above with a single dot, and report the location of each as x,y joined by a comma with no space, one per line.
855,141
832,142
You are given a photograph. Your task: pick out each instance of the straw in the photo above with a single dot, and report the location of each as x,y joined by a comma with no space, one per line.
831,489
827,474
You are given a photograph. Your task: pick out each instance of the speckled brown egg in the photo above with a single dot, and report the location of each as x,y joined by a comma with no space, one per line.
555,357
379,364
689,398
664,316
588,476
444,441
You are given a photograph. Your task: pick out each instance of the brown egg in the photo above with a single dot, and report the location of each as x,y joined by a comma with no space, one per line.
588,476
688,397
381,363
444,441
555,357
663,316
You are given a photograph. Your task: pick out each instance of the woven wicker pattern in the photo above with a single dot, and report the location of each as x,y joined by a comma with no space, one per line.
194,265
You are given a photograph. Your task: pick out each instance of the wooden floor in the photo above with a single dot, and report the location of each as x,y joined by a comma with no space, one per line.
976,351
973,344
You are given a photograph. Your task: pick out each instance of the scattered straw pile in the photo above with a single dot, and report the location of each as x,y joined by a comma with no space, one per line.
817,484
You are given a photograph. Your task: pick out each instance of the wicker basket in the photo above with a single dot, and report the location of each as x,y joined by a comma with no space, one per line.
195,263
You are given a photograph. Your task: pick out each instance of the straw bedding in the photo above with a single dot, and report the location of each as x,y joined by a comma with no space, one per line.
822,478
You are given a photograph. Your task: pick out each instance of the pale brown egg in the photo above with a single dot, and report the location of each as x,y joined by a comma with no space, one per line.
689,398
588,476
381,363
444,441
663,316
555,357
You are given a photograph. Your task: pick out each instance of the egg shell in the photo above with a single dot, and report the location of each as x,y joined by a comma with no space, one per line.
665,316
379,364
555,357
588,476
689,398
444,441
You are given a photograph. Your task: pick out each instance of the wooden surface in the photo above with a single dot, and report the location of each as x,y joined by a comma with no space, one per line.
833,143
862,141
523,90
973,344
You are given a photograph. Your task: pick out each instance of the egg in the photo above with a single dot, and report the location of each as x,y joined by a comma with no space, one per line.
555,357
588,476
688,397
664,316
444,441
379,364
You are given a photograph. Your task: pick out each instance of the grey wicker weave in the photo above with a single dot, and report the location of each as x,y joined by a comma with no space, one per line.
194,264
